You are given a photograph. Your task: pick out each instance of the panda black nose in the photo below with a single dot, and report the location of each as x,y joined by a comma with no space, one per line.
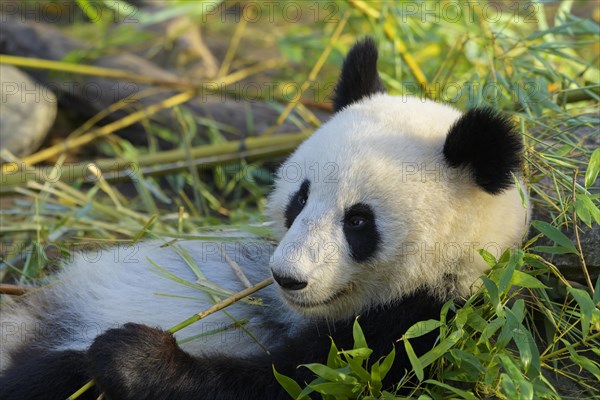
289,283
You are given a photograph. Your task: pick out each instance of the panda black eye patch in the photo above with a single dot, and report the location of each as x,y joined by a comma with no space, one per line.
361,232
296,203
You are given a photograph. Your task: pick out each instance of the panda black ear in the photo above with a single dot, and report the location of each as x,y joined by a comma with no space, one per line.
359,77
487,143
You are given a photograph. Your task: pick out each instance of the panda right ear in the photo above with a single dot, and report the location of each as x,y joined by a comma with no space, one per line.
359,77
487,143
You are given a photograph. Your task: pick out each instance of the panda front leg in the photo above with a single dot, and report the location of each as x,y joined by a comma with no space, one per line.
139,362
45,374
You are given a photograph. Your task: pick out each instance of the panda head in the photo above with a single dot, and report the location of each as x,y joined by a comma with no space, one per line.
391,195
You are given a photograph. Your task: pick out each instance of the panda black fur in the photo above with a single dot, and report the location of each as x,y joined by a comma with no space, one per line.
399,177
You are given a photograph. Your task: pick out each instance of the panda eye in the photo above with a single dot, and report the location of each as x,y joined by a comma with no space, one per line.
360,231
296,203
356,222
358,217
301,199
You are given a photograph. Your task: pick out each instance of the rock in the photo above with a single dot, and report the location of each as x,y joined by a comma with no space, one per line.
28,111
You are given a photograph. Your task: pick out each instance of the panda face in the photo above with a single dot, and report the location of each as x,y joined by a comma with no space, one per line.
391,195
344,209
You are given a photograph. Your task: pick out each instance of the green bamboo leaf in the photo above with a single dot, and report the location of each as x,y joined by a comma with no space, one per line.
518,309
488,257
387,363
357,368
586,305
362,353
333,358
507,273
519,336
508,387
504,257
587,210
491,329
441,349
375,381
593,168
555,235
528,351
509,365
492,291
290,385
582,360
390,396
308,390
507,332
414,360
422,328
523,279
552,249
476,321
467,361
525,390
462,393
334,375
340,391
534,260
492,374
359,337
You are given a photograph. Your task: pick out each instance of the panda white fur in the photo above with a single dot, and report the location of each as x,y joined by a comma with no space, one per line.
380,213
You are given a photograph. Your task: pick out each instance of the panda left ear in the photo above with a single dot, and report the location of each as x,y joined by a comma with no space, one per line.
486,143
359,77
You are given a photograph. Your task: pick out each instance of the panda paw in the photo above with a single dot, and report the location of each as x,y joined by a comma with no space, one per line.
127,362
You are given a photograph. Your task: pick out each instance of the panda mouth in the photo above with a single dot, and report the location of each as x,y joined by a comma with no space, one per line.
327,301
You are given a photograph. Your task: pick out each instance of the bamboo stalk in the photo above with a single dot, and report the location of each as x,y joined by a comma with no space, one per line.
89,384
255,147
51,65
14,290
221,305
210,150
211,161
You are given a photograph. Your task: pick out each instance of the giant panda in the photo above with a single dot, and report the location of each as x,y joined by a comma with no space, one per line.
379,215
